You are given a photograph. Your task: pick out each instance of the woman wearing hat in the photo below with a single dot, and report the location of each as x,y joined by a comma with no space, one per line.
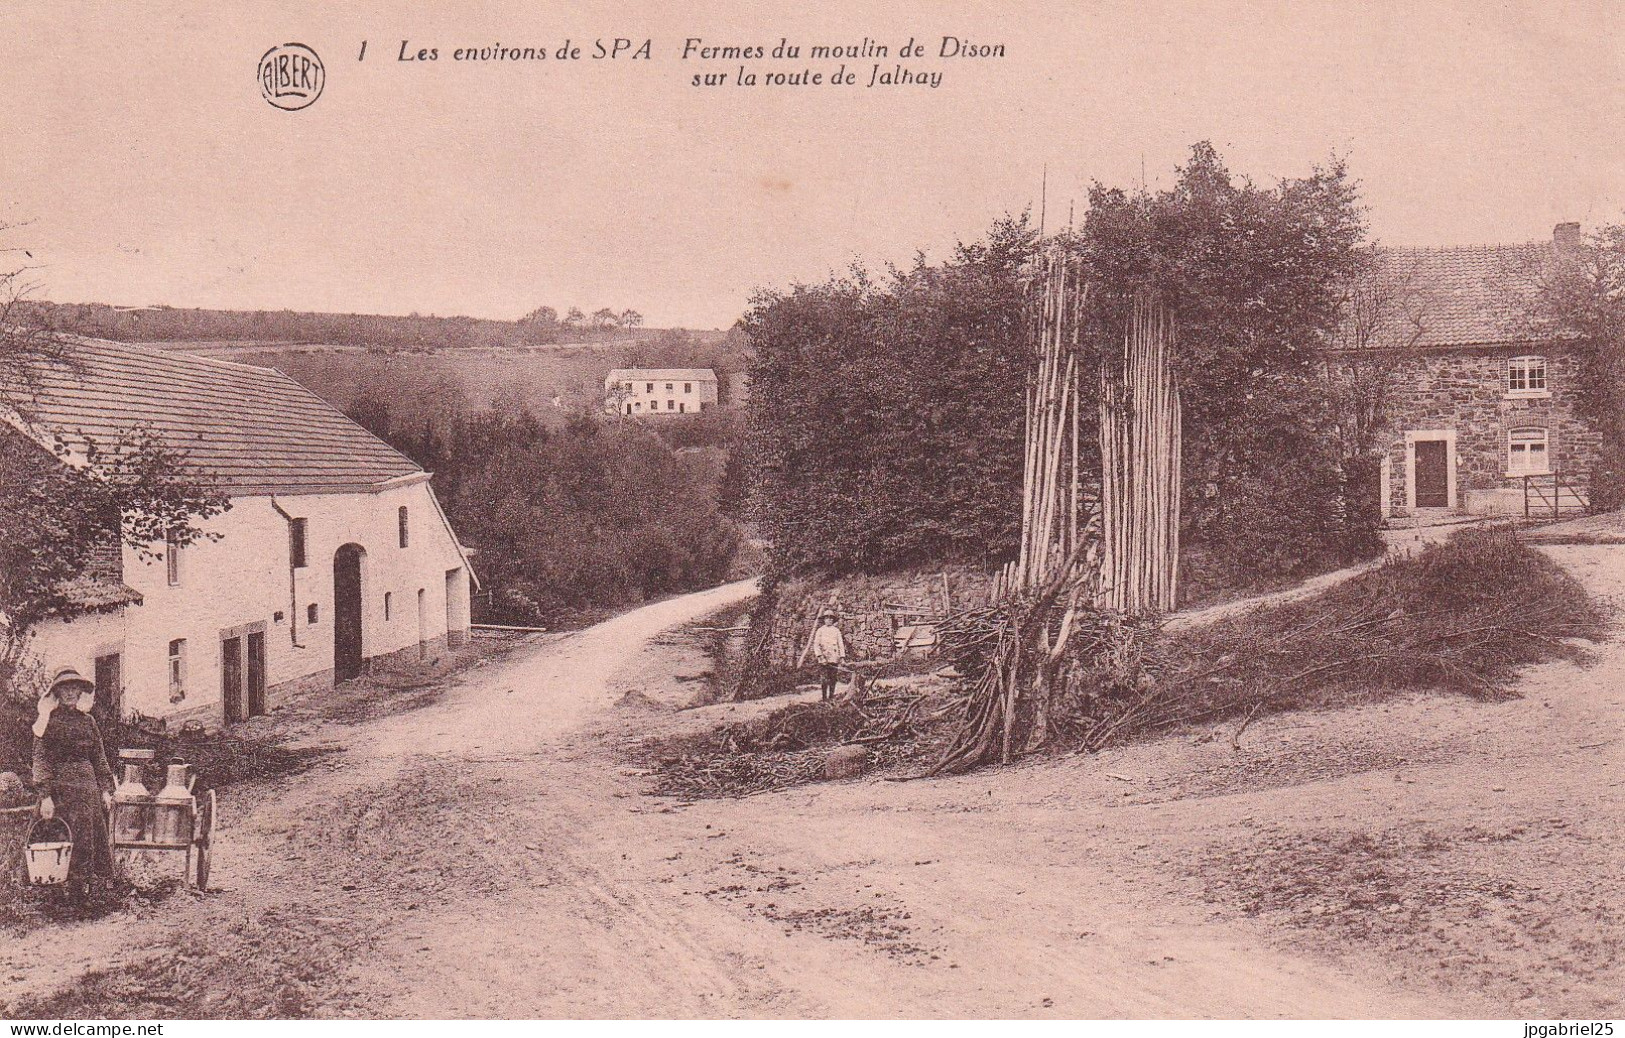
73,778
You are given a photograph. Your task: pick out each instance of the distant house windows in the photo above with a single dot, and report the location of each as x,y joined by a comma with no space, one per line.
1526,376
311,614
296,543
1527,452
650,388
688,387
628,408
177,670
671,405
172,559
386,605
668,387
401,524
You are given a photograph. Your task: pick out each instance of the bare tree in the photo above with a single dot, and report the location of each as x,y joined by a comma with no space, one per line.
1385,314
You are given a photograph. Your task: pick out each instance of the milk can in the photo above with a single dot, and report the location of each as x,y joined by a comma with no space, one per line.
130,811
172,808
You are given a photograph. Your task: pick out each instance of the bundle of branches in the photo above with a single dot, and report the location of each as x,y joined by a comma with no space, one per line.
1019,654
786,748
1463,616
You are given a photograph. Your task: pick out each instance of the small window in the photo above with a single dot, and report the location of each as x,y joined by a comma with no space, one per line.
177,669
401,521
1526,451
668,387
688,387
386,605
311,614
172,559
682,408
1526,375
628,408
296,543
671,405
650,388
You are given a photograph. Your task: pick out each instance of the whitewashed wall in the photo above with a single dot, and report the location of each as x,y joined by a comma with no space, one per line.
243,577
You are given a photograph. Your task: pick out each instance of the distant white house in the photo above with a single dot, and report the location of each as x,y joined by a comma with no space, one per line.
333,556
666,391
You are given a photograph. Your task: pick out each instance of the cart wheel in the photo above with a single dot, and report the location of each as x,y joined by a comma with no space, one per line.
205,835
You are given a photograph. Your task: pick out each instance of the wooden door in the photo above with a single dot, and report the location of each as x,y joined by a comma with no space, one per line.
1432,474
348,651
109,685
231,678
256,673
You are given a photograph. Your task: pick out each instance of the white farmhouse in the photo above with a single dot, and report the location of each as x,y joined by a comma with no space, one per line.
333,556
641,391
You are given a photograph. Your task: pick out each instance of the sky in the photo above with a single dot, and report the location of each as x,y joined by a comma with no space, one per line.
144,166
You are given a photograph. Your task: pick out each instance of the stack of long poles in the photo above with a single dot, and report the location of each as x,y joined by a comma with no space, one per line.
1140,465
1051,476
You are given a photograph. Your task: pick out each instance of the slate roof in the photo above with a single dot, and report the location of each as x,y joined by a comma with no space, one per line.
1433,298
245,429
660,375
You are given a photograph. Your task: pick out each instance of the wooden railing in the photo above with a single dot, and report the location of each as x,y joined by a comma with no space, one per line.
1550,493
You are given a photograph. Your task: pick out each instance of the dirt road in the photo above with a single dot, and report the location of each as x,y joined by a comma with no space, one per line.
491,855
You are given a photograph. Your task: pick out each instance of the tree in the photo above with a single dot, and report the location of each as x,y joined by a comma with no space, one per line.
631,319
542,315
884,424
604,319
1580,299
574,318
59,505
1257,277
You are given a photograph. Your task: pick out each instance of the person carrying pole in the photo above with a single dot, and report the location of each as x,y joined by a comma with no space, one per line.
829,652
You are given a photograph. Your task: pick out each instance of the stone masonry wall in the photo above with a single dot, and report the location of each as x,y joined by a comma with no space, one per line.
871,608
1467,391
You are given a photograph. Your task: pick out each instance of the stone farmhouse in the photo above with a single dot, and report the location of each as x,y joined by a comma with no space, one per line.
663,391
333,557
1481,410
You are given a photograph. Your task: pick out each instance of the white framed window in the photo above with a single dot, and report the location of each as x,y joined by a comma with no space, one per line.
1527,451
177,669
1526,376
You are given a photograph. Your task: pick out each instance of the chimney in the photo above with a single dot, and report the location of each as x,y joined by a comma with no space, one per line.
1566,236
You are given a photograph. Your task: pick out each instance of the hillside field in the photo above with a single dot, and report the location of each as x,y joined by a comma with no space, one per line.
553,381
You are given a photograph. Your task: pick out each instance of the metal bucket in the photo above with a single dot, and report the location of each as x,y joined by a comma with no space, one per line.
48,860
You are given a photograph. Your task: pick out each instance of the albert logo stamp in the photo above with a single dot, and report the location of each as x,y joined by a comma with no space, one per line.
291,76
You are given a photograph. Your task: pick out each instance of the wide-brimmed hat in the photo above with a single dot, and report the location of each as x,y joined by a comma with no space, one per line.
69,676
830,614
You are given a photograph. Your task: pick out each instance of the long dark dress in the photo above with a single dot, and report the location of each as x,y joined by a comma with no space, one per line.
70,765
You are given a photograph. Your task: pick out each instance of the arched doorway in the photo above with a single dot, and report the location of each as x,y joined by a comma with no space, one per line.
348,650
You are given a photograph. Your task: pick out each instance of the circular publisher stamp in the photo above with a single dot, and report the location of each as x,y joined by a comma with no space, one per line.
291,76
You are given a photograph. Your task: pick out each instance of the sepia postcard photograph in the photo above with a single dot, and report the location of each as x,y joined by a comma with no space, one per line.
751,510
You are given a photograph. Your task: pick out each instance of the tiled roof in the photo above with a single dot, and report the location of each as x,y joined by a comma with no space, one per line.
244,428
661,375
101,584
1463,296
